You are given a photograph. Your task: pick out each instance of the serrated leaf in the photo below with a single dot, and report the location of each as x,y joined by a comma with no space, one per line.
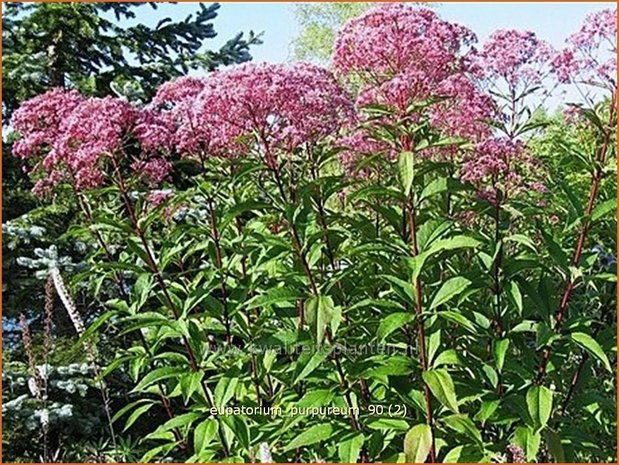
488,407
442,386
238,426
450,289
204,433
406,168
349,449
460,319
528,440
539,404
224,391
319,311
500,349
92,329
464,425
136,414
392,322
590,345
603,209
273,296
447,357
453,243
388,424
404,289
316,433
316,398
464,454
314,362
158,374
515,295
418,443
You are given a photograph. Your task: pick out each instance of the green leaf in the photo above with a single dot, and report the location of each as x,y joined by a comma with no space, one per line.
238,426
159,374
528,440
555,250
465,454
464,425
224,391
275,295
388,424
178,421
515,295
555,447
603,209
442,386
93,328
415,264
436,186
450,289
453,243
349,449
522,239
460,319
311,436
317,358
392,322
488,407
404,289
500,349
316,398
490,374
539,403
152,453
418,443
190,382
590,345
205,432
406,167
319,312
137,413
447,357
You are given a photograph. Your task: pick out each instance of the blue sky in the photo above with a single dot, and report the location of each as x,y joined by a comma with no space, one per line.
551,21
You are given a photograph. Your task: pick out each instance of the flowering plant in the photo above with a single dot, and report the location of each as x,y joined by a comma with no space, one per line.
373,242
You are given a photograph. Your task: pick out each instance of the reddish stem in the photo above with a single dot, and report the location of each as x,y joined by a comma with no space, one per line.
152,264
580,243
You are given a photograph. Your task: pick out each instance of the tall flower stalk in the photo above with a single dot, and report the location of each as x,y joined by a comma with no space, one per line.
588,62
596,179
152,264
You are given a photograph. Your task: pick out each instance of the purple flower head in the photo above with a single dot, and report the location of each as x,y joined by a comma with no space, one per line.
38,121
591,54
518,57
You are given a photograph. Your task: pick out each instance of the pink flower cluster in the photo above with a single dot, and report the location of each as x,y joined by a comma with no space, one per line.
406,56
95,129
591,54
518,57
153,170
500,167
358,145
163,121
394,37
38,120
67,136
280,107
228,113
465,111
